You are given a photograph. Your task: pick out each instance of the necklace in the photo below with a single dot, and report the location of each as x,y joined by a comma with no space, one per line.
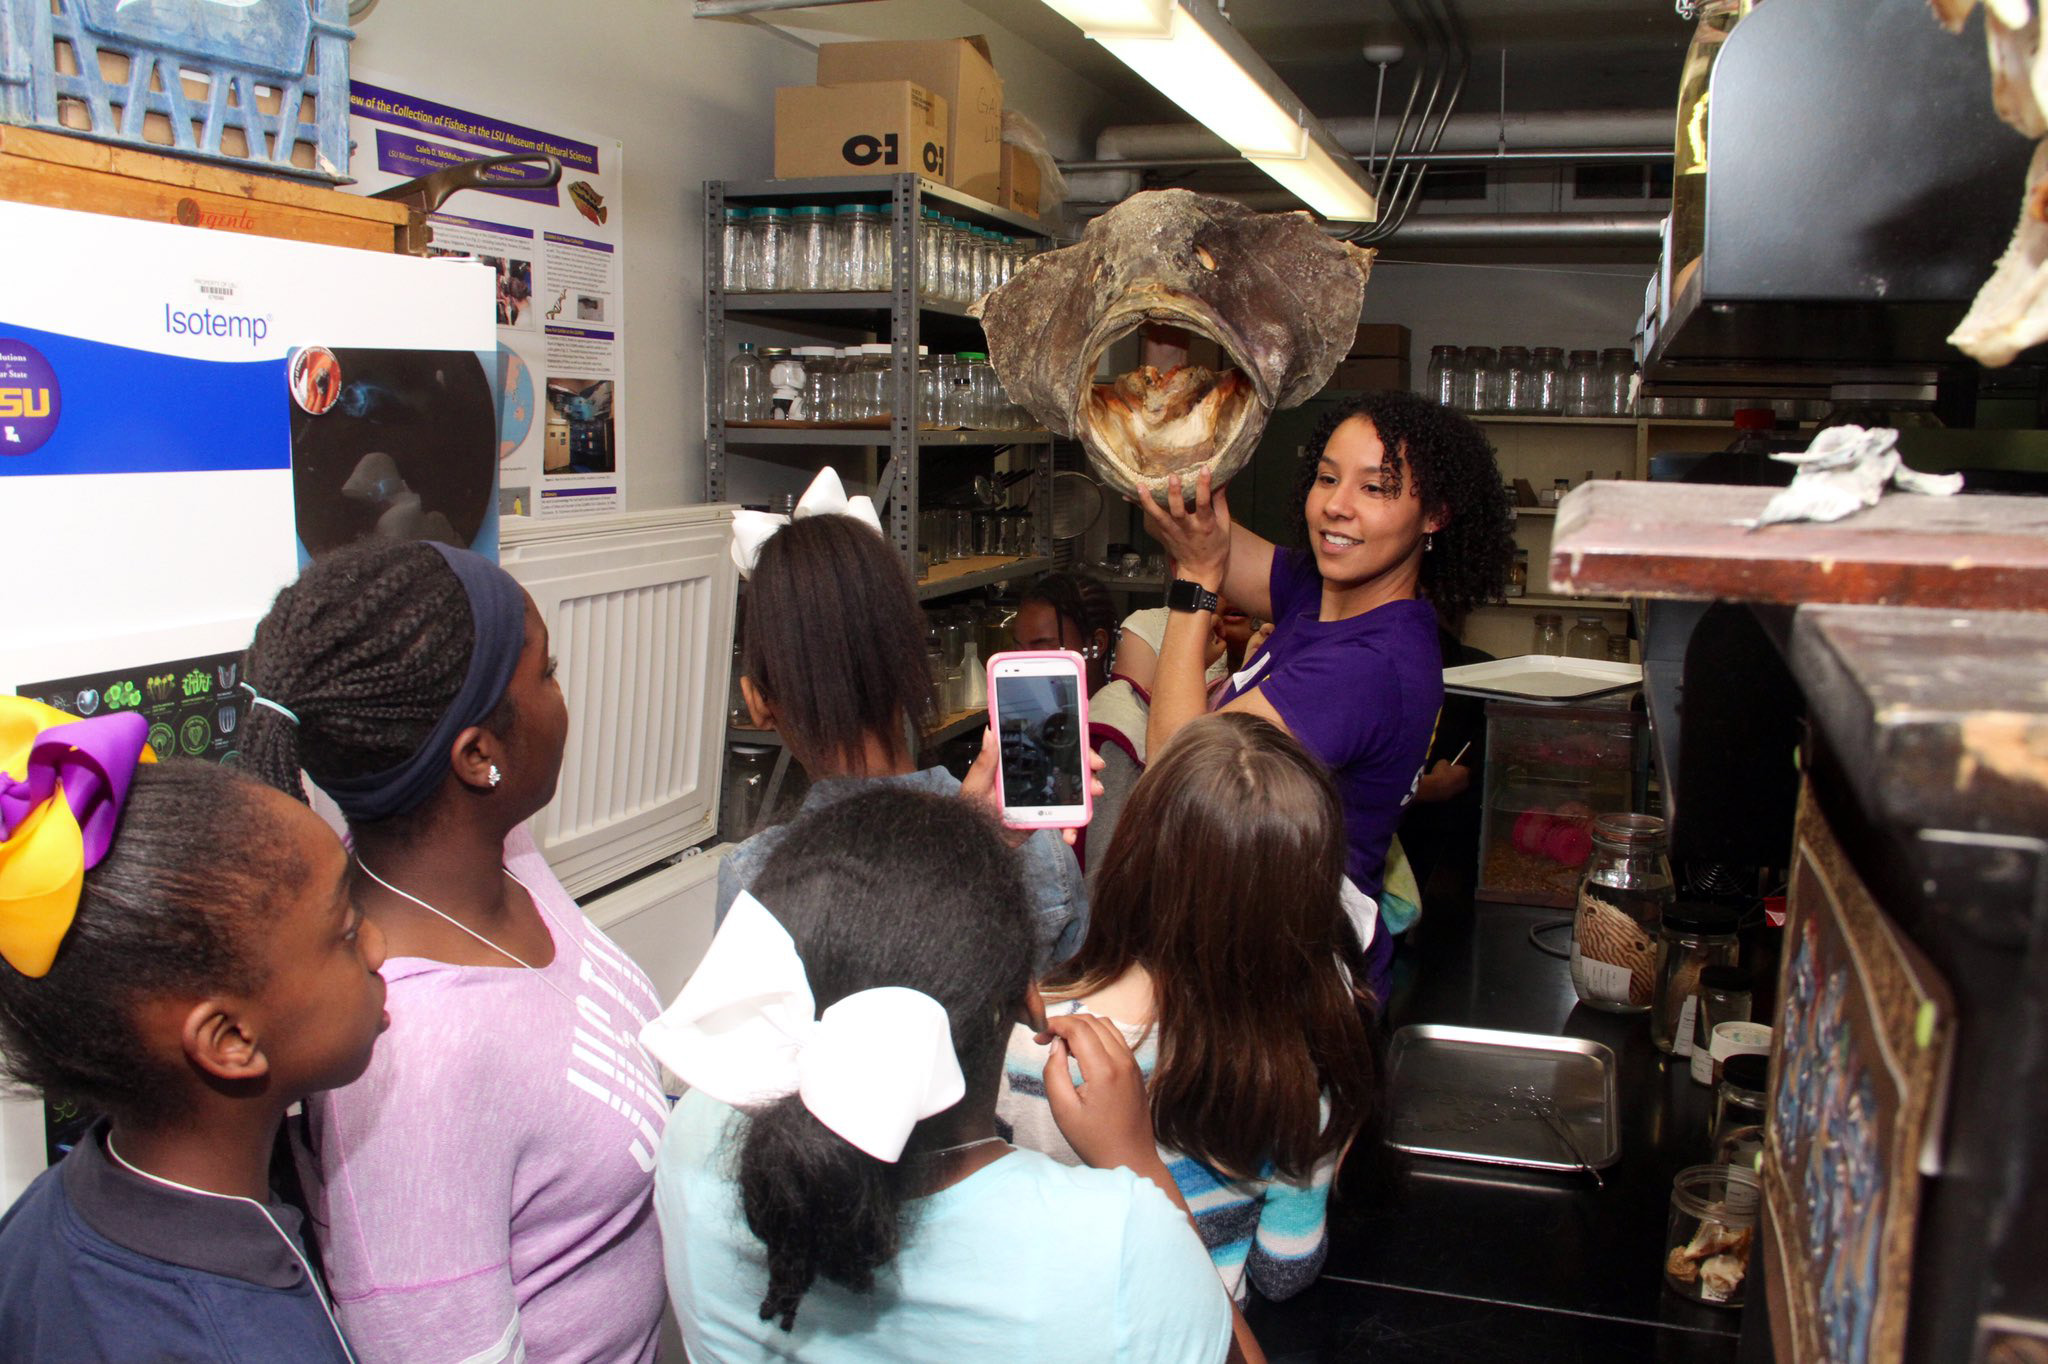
539,974
955,1150
282,1234
455,922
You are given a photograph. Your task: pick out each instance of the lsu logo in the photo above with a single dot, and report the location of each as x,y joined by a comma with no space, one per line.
30,401
24,402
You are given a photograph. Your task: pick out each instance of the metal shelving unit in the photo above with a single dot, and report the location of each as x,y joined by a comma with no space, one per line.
900,316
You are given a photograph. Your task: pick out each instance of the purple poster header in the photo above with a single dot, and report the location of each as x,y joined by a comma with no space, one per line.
494,135
584,332
404,154
584,242
503,229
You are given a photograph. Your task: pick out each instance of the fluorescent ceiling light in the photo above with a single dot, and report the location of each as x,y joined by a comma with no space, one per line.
1192,55
1099,17
1328,185
1191,68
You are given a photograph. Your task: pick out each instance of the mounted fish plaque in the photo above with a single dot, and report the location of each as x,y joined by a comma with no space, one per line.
1278,298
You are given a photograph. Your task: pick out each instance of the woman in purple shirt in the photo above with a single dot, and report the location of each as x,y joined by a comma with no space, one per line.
1405,516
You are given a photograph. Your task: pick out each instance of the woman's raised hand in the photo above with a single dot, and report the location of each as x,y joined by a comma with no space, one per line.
1197,537
1107,1120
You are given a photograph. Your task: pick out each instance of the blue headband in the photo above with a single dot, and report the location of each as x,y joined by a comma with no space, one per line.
497,610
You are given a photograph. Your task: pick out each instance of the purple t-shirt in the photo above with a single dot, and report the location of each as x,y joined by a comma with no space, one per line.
487,1186
1362,695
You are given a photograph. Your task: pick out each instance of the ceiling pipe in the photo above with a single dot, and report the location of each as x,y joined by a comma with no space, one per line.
1474,229
1544,156
1581,129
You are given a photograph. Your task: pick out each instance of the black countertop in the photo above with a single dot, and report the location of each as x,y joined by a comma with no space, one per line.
1454,1261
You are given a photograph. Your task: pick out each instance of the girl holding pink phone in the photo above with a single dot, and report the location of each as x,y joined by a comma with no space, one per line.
832,658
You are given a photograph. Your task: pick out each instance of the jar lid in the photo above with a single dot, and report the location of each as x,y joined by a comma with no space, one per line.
1479,352
811,208
1748,1070
733,212
1591,620
1548,352
1443,350
815,350
1755,419
1727,979
848,208
775,350
1626,830
1617,353
771,211
974,355
1583,357
1702,916
1514,350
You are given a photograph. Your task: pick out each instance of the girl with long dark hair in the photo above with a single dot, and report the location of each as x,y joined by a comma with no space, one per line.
1220,950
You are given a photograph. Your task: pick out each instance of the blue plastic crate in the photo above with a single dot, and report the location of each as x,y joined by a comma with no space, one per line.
258,84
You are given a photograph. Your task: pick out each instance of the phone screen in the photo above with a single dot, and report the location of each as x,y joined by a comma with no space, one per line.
1042,741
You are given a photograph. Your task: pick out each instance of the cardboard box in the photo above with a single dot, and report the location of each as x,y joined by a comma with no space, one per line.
1381,338
871,128
1371,373
1021,184
959,72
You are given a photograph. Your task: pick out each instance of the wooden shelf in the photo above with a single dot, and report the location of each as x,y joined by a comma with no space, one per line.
961,575
1683,540
1535,511
1562,603
1513,419
949,727
875,435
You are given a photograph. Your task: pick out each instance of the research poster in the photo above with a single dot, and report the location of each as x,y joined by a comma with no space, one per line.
555,253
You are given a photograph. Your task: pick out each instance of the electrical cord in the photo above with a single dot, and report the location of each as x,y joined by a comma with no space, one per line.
1549,926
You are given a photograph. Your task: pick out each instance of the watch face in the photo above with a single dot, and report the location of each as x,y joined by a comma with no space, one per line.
1186,596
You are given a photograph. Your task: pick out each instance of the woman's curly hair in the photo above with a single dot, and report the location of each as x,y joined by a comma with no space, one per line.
1459,479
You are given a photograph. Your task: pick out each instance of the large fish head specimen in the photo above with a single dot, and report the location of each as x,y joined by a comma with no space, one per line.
1279,298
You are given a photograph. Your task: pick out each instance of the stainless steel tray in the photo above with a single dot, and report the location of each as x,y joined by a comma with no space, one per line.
1542,679
1486,1095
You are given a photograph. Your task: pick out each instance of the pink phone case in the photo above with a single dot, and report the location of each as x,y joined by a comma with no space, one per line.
995,722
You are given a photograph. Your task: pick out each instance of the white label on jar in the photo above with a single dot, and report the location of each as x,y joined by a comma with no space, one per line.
1702,1066
1601,980
1681,1043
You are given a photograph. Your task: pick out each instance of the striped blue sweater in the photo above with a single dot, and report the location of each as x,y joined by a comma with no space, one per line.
1269,1232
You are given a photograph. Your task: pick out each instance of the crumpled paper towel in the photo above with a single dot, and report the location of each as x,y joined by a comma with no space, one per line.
1846,469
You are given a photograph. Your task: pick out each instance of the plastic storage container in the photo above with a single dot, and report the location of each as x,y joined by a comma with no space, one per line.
183,79
1549,771
1712,1233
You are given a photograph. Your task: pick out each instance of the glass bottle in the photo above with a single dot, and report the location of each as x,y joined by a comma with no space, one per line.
927,388
1518,574
1443,375
1693,937
733,274
1724,998
768,260
1617,649
878,379
961,403
975,395
1486,380
1622,900
1711,1240
785,381
856,245
945,406
1717,18
811,257
1516,378
930,272
1739,1102
1549,635
1617,381
817,391
1587,639
748,770
746,386
1582,384
1547,380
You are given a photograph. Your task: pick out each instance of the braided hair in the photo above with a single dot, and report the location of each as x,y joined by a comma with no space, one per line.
1459,479
367,649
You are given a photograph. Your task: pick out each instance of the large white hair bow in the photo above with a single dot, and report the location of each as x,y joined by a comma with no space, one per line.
746,1031
825,497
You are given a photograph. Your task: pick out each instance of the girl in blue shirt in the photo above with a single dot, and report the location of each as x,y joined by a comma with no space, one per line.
179,951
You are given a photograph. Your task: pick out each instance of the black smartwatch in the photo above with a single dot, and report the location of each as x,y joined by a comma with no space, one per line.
1183,595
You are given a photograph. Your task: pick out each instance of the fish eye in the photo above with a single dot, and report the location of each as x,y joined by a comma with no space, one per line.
1202,254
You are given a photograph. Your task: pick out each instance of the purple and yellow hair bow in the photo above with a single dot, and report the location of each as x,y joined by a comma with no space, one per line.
63,782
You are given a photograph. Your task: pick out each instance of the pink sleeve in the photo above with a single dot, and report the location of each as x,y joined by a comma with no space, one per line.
415,1192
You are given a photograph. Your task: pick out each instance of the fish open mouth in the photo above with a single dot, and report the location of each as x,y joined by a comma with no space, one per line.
1157,421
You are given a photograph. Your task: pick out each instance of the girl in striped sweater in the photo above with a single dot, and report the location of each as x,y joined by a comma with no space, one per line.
1219,946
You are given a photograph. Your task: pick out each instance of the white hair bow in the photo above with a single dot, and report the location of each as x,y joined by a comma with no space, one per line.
825,497
746,1031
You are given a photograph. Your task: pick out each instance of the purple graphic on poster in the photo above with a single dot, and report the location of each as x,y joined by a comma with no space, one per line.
29,400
